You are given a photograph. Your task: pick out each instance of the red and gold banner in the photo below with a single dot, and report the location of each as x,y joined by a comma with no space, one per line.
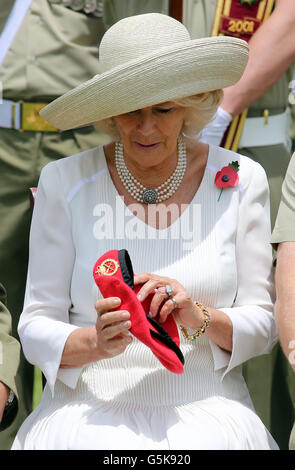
241,19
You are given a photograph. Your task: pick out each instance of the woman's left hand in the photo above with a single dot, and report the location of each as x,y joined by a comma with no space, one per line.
183,308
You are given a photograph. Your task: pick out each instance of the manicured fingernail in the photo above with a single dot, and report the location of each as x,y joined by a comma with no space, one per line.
139,296
117,300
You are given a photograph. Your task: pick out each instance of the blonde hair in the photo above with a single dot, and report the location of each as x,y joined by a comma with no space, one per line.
200,111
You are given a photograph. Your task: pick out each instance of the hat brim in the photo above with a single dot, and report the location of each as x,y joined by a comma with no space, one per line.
184,69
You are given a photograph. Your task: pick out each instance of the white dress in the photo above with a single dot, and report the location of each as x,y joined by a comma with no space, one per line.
218,249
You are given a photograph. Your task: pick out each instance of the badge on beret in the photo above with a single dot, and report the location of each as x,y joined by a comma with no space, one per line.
113,274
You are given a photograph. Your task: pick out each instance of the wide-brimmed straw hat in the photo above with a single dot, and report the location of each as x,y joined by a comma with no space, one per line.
145,60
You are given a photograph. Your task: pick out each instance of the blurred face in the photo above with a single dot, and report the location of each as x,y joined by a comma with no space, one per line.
149,135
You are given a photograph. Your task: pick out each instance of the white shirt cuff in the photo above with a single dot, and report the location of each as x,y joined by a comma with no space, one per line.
43,343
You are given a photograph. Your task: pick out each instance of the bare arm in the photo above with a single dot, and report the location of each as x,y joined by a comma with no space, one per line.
285,303
108,338
272,51
221,329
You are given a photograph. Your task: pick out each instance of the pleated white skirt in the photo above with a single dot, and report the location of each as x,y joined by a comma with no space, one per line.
213,424
132,402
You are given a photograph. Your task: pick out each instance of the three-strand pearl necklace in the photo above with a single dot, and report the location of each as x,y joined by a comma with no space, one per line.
151,195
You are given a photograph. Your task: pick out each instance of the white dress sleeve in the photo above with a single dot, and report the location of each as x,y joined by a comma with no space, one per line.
254,331
44,323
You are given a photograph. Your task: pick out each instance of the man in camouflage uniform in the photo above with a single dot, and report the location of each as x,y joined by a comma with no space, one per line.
9,361
283,238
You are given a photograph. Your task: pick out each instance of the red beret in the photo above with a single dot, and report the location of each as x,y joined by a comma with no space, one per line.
113,274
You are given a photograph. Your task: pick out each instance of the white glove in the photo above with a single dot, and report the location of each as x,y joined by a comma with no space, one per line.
214,131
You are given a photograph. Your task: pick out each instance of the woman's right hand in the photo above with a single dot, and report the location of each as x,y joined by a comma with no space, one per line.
112,327
108,338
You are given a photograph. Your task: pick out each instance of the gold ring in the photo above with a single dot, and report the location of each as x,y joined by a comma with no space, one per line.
174,302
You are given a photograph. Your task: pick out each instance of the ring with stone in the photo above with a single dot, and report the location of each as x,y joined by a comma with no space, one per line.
168,289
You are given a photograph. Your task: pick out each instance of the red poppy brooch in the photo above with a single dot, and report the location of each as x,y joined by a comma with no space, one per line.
227,176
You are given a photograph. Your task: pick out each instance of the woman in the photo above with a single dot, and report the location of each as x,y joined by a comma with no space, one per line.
200,249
